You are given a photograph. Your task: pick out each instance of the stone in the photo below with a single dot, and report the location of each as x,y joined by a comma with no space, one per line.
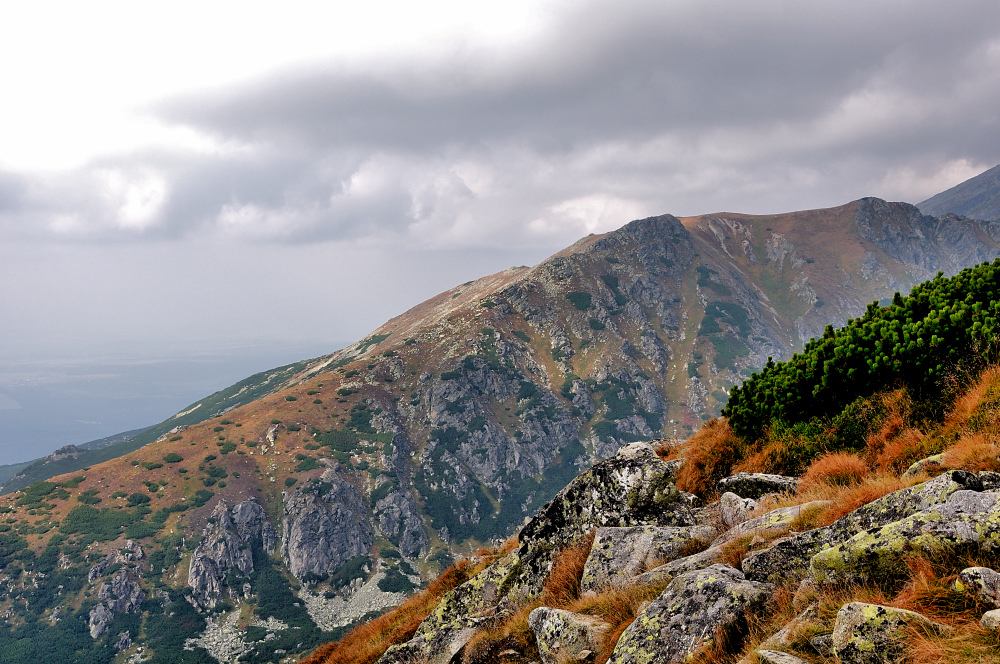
772,523
129,553
674,568
928,465
755,485
991,620
872,634
687,614
967,518
220,552
734,510
982,582
776,657
563,635
253,525
620,554
789,558
325,524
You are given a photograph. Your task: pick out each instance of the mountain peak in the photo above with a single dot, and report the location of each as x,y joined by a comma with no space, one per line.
977,197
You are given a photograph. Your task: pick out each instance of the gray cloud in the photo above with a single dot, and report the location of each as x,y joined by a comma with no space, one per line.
611,111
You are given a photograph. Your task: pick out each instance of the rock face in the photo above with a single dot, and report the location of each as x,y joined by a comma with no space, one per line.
618,555
734,510
325,524
755,485
870,633
562,636
225,551
130,553
687,615
121,595
790,558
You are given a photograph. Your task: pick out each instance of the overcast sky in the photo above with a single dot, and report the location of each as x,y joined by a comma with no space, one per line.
193,174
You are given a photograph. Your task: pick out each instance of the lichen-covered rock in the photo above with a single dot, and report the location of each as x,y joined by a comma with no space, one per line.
325,524
687,614
982,582
474,599
927,465
755,485
871,633
633,488
561,635
733,510
121,595
691,563
620,554
772,523
437,647
789,558
967,518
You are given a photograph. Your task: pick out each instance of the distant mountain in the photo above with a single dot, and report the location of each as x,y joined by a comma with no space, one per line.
348,478
977,198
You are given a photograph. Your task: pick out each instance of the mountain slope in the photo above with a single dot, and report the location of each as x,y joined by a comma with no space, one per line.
346,477
978,198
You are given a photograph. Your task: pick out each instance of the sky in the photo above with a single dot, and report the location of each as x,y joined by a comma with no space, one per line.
185,177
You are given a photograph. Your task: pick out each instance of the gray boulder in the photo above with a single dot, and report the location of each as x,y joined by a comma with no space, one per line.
872,634
562,636
777,657
687,614
755,485
733,510
789,558
440,646
253,525
982,582
129,553
620,554
967,518
325,524
991,620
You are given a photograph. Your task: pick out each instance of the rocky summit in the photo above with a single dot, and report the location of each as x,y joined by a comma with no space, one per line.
271,517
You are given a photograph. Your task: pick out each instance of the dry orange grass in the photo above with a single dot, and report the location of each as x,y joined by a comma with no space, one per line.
978,402
366,643
708,455
973,452
618,607
837,468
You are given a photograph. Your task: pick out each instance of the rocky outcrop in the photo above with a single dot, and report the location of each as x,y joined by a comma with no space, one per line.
871,633
225,554
755,485
564,636
325,524
790,558
618,555
966,518
768,525
733,510
130,553
687,615
121,595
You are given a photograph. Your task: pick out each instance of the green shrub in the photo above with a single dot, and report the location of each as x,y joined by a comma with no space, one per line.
580,299
227,447
395,582
596,324
136,499
290,481
173,457
88,497
151,465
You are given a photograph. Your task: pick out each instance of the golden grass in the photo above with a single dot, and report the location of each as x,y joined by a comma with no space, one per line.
978,405
708,456
836,468
618,607
973,452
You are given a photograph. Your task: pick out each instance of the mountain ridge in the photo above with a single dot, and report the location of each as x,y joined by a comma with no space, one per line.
449,424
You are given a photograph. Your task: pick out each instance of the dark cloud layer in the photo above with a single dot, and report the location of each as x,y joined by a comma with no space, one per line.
611,110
